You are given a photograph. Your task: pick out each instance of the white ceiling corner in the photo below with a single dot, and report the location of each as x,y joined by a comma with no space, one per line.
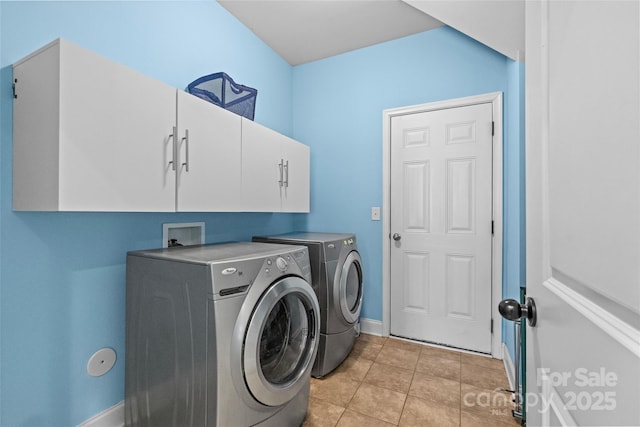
498,24
302,31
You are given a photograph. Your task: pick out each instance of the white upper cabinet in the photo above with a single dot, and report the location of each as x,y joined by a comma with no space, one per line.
209,163
295,190
261,168
93,135
90,134
275,171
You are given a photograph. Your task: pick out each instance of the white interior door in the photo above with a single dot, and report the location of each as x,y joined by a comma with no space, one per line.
441,213
583,212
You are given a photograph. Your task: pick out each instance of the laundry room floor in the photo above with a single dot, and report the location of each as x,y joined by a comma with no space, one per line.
391,382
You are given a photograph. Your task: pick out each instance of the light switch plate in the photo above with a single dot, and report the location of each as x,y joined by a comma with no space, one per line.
375,214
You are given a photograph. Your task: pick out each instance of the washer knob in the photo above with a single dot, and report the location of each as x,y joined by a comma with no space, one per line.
281,264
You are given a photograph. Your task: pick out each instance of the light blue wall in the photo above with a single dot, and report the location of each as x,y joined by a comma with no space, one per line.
62,275
3,105
338,104
514,191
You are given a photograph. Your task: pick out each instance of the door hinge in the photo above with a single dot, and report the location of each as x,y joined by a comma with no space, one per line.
493,128
491,325
13,86
492,228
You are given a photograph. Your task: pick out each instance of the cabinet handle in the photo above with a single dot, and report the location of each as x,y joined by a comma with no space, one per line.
286,174
186,150
173,137
281,165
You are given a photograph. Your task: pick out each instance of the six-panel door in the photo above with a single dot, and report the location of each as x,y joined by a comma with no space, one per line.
441,212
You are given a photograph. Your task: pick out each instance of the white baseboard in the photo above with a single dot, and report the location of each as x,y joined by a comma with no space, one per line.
112,417
509,367
370,326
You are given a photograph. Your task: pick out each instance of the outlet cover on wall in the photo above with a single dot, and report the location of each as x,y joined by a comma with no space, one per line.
182,234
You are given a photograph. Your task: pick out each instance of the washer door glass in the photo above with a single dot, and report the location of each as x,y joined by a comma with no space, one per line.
351,287
281,341
285,340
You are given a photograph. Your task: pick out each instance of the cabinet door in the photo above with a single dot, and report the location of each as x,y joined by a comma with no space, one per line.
115,136
209,157
262,168
90,134
295,191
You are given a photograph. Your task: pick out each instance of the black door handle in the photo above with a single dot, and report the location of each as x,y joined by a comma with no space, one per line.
511,309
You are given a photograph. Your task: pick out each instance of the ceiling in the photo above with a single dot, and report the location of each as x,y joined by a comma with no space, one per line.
302,31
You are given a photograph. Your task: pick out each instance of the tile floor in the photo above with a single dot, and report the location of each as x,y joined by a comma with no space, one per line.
391,382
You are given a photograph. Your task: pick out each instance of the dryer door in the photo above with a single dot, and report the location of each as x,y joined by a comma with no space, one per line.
281,341
348,287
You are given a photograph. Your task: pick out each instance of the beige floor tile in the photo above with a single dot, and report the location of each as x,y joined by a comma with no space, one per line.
407,345
483,377
354,368
468,419
380,403
440,352
375,339
388,381
436,389
322,414
334,389
354,419
483,361
391,377
486,403
399,357
366,349
423,413
438,366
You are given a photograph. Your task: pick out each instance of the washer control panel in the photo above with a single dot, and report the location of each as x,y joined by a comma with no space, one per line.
295,262
282,264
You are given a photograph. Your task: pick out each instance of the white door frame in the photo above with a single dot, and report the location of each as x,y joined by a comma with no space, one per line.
495,99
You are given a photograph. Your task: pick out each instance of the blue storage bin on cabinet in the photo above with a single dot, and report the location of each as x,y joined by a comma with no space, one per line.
221,90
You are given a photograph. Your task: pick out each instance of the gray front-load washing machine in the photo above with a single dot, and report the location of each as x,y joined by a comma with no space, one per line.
337,279
219,335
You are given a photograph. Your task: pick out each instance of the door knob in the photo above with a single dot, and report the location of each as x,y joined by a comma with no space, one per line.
396,237
511,309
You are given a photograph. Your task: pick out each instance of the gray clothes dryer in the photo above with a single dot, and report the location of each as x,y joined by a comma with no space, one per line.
219,335
337,279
